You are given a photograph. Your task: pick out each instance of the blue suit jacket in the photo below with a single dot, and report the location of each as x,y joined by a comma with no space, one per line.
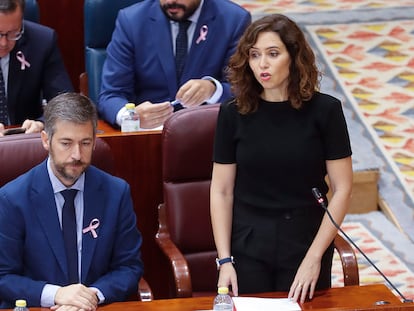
32,249
140,63
44,79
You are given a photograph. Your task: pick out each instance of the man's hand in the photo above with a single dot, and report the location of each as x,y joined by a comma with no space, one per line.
195,92
1,129
74,297
153,115
33,126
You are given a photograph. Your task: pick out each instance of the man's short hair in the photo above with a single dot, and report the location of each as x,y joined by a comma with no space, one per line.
72,107
8,6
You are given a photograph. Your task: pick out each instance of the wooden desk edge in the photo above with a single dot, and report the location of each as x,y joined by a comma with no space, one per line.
104,129
205,303
328,298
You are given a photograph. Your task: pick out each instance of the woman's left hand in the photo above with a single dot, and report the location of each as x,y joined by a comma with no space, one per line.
305,279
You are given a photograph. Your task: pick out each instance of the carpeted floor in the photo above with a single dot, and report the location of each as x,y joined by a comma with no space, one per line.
373,64
365,49
385,246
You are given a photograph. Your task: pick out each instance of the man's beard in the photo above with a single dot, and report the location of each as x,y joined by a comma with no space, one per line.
188,11
64,173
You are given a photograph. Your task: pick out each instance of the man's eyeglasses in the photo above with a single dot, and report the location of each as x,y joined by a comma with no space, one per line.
13,35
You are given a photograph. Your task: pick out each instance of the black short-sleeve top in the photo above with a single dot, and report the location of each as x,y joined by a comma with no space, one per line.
280,151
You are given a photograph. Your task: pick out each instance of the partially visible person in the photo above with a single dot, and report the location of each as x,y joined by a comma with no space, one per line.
31,66
275,141
36,262
140,65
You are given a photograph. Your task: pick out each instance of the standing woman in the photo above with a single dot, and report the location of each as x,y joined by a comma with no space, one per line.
275,141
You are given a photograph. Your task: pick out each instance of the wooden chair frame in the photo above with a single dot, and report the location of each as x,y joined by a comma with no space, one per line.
144,291
182,274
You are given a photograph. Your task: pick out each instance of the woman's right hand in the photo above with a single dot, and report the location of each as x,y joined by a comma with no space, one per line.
228,277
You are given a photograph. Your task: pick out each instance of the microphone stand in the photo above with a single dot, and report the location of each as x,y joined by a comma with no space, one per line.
319,198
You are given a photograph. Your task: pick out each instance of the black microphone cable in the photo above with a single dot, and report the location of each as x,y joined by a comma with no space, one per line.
318,196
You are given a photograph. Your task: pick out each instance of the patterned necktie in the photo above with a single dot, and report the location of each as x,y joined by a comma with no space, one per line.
3,101
69,234
181,47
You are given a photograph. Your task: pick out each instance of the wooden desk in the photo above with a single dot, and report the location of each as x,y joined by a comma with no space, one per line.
138,161
341,298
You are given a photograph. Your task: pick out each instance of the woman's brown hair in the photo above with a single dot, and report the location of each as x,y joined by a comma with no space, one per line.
303,73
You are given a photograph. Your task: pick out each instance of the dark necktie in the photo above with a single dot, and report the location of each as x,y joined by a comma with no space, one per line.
181,47
69,234
3,101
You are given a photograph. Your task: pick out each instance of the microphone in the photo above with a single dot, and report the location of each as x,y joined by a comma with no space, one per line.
319,198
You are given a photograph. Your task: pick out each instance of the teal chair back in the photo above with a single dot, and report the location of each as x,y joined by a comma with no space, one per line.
99,17
31,12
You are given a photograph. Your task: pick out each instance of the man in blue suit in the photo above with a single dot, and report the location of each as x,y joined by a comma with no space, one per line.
140,65
32,67
106,245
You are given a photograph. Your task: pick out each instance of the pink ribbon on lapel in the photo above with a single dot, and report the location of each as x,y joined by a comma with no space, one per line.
92,226
23,62
203,34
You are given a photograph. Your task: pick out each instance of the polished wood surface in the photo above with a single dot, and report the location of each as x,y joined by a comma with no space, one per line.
340,298
138,161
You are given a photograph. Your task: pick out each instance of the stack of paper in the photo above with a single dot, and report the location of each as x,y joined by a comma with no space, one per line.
265,304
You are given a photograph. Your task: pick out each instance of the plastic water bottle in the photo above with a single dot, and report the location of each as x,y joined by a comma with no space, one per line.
21,305
223,300
130,119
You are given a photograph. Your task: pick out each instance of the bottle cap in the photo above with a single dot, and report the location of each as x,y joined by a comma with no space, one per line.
223,290
130,106
21,303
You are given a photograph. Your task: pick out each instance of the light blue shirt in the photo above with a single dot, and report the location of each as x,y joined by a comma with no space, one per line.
4,62
49,290
191,31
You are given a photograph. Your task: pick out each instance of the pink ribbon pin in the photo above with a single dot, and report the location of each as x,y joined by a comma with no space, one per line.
92,226
23,62
203,34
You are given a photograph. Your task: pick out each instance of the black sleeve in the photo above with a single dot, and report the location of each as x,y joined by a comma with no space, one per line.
335,133
225,142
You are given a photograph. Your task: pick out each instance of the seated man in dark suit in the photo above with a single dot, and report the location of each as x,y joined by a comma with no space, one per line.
166,50
61,252
31,66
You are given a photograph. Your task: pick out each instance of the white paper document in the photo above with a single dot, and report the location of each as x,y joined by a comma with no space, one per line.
265,304
158,128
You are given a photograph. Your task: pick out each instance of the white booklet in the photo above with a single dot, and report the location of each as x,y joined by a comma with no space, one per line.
265,304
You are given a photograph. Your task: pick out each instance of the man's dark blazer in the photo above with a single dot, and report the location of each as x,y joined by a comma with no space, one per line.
31,242
44,79
140,63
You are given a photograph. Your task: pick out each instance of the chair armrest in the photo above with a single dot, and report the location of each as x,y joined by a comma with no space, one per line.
348,260
178,263
144,290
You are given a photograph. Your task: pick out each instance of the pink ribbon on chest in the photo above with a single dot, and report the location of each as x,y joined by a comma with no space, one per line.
203,34
92,226
23,62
